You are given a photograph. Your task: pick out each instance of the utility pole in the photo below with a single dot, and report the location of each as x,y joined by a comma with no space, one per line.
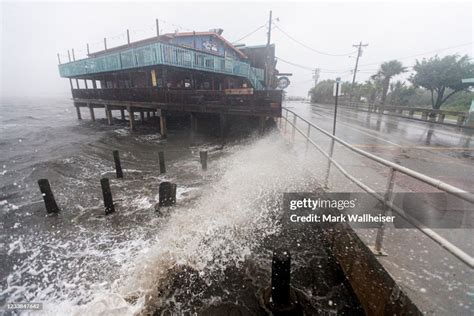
359,53
316,76
157,28
269,36
336,89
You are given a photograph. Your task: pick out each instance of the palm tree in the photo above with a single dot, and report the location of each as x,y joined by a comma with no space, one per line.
388,70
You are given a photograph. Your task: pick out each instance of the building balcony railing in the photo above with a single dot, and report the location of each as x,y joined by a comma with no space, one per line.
162,54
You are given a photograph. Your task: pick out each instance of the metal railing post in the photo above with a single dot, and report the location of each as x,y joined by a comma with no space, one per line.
326,179
387,198
294,128
307,137
286,121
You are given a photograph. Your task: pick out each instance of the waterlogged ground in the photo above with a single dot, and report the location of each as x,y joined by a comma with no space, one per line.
210,254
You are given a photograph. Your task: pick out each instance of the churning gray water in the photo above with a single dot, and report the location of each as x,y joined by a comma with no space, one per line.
213,248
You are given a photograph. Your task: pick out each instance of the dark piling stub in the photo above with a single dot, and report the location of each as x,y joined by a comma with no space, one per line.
167,194
203,156
108,201
161,156
118,166
48,197
281,269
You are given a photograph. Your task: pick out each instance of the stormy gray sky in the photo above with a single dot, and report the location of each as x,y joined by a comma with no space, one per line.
32,33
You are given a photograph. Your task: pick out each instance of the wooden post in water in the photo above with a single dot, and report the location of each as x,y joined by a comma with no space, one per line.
281,269
48,197
167,194
108,201
122,114
161,157
203,157
91,110
118,166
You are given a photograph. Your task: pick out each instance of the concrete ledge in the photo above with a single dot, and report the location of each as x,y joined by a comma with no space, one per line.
375,288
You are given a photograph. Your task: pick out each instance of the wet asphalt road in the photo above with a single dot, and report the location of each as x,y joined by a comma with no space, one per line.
443,152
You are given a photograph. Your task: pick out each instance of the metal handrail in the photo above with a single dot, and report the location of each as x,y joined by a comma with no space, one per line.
469,197
450,247
162,54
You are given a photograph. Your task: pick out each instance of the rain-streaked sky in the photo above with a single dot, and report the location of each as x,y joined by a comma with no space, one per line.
34,32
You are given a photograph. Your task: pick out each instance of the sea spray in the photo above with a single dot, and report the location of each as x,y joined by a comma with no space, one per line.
234,214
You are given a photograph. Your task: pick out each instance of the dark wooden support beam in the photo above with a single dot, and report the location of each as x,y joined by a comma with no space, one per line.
148,115
77,83
131,117
142,116
70,83
122,114
193,128
223,125
94,84
91,110
108,114
163,129
78,111
85,83
261,125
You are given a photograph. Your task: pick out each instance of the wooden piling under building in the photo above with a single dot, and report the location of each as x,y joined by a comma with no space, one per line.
162,111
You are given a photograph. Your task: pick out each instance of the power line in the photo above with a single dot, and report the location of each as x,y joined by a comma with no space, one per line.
420,54
295,64
310,48
251,33
336,71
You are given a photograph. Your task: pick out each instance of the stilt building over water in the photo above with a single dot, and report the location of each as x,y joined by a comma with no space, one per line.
200,73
